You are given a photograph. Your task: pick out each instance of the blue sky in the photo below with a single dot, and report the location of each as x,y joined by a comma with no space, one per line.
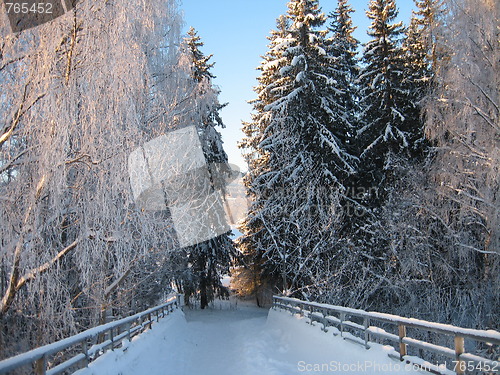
235,32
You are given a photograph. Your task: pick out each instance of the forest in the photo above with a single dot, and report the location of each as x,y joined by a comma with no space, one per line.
373,170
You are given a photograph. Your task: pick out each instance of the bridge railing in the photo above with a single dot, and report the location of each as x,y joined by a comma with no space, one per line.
369,325
86,344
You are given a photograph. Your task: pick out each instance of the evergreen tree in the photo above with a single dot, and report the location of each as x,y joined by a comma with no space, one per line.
208,261
343,49
418,72
345,71
426,21
420,51
382,93
394,83
200,69
387,133
296,150
251,276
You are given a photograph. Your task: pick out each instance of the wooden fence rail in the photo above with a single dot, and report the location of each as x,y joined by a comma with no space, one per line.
113,332
371,327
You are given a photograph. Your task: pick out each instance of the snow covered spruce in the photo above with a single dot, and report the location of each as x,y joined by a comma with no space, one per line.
373,173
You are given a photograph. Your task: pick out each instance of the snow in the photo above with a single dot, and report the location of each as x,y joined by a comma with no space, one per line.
490,334
285,70
226,281
300,77
35,354
243,340
270,65
297,60
148,353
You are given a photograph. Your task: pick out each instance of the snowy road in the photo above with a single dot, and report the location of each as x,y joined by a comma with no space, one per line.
246,341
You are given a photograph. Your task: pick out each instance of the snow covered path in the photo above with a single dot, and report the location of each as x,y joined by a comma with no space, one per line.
223,341
246,341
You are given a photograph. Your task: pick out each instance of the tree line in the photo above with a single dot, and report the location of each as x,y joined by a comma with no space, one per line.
373,175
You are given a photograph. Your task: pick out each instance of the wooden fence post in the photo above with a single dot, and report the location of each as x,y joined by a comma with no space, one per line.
41,366
366,323
342,318
85,349
112,339
459,349
325,321
402,346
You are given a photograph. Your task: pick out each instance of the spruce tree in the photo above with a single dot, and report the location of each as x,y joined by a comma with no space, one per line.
297,151
420,53
208,261
381,86
417,68
427,19
416,83
384,134
343,48
256,237
200,63
385,129
390,141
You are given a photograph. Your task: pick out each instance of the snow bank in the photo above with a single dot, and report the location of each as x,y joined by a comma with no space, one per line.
310,350
152,352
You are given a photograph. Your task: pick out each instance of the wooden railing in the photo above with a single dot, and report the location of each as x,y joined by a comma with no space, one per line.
86,343
363,327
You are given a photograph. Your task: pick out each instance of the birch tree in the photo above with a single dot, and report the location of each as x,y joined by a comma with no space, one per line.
78,95
463,120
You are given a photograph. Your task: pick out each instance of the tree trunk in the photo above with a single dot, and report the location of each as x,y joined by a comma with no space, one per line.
203,290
